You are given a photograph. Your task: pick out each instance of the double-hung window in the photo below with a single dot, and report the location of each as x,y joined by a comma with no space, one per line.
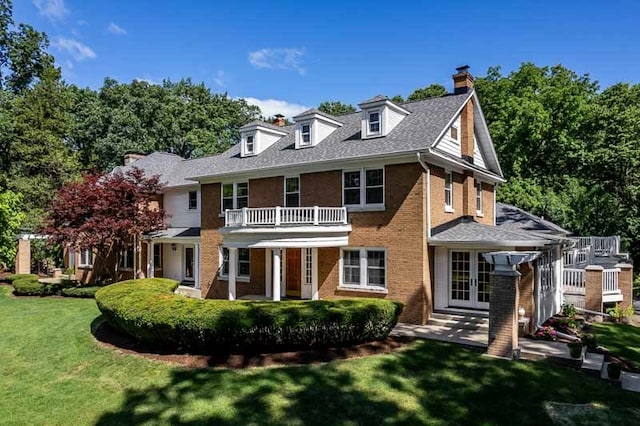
243,262
292,192
86,258
448,192
374,122
364,192
235,195
193,200
305,135
364,268
249,145
126,258
478,198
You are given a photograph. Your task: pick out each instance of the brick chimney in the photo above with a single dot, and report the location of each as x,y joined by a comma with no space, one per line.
462,80
279,120
132,157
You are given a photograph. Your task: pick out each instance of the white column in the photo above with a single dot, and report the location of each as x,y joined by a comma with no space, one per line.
276,274
196,265
314,274
233,265
268,271
151,271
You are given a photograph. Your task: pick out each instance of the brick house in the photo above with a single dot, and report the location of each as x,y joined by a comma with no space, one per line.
393,201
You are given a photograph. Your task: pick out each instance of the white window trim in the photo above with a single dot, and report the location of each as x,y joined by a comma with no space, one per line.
448,208
197,207
369,132
363,206
284,201
81,263
479,197
304,144
245,144
457,138
225,277
235,194
364,272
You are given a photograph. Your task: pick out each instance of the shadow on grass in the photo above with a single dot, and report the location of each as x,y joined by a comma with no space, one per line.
429,382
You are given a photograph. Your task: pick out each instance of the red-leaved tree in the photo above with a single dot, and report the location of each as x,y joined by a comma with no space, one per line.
106,213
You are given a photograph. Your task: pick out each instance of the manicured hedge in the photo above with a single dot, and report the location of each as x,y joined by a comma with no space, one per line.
84,292
148,310
27,285
11,278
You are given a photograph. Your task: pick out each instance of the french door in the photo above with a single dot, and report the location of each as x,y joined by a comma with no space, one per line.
469,279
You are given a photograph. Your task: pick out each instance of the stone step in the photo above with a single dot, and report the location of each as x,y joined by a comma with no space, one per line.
593,362
454,321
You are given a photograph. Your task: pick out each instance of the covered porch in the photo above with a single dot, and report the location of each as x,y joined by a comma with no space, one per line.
272,253
175,253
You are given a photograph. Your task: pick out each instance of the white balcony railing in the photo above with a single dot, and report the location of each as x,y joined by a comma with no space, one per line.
573,280
283,216
610,281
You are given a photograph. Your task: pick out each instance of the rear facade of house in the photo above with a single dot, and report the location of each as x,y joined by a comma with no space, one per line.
394,201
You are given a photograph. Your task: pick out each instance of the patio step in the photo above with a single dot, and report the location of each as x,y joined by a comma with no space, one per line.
458,321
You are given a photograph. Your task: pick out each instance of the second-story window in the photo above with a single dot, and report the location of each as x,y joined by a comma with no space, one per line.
374,122
249,145
453,132
193,200
448,191
478,198
292,191
235,195
363,192
306,134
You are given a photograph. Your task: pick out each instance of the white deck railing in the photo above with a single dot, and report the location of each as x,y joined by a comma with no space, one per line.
576,256
573,281
599,246
610,281
277,216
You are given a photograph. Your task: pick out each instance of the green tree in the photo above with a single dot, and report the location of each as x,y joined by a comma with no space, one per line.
11,217
397,99
336,108
431,91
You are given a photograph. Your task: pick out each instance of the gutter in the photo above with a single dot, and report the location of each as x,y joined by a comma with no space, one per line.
488,176
425,166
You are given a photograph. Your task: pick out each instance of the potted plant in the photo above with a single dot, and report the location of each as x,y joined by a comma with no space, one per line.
589,340
575,349
613,370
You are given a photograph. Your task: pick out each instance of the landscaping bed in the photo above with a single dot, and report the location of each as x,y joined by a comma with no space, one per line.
30,285
148,310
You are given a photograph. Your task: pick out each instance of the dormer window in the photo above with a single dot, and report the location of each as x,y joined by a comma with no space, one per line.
305,134
249,145
453,132
374,122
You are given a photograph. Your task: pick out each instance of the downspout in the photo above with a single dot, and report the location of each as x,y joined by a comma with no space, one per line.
425,166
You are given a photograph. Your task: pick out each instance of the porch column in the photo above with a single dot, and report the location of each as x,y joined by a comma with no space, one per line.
151,271
314,274
276,273
625,284
593,288
23,256
233,265
196,265
268,271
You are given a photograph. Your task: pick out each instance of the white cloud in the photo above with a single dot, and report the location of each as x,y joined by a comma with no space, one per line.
52,9
282,58
76,49
116,29
145,80
271,107
220,79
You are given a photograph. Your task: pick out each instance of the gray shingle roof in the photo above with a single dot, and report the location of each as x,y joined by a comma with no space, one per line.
418,131
170,167
376,98
513,218
466,230
265,124
317,111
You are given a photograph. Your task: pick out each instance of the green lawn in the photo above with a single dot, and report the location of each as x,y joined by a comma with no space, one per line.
623,340
52,372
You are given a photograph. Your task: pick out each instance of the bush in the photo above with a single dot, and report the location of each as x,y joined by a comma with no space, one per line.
84,292
28,285
13,277
148,310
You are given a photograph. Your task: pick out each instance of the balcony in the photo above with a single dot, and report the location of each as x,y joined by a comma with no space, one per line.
285,216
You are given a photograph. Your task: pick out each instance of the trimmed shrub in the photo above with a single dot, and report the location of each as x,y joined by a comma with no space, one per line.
28,285
148,310
84,292
11,278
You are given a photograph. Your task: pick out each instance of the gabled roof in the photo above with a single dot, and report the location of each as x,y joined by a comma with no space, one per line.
416,132
171,168
318,112
464,230
266,125
513,218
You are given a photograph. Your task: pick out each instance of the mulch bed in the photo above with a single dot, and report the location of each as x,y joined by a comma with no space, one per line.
111,338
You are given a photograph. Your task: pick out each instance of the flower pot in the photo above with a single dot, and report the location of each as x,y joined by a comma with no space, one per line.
575,352
613,370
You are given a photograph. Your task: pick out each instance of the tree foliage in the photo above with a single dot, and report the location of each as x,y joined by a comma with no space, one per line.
431,91
336,108
106,212
11,217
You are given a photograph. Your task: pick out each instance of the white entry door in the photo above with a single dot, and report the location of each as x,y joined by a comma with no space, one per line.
469,280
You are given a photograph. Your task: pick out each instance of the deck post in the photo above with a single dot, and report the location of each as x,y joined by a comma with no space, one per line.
593,287
625,284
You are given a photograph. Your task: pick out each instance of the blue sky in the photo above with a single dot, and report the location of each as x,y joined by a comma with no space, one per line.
289,55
